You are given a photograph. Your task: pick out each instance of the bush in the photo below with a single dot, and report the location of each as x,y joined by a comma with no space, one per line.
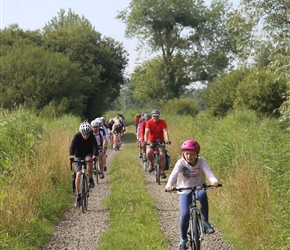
219,97
184,106
261,91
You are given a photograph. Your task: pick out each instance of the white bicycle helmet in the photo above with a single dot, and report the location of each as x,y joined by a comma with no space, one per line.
85,128
95,123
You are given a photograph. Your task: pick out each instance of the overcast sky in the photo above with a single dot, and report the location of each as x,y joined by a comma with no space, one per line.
34,14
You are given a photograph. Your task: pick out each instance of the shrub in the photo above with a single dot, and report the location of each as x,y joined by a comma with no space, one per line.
219,97
261,91
184,106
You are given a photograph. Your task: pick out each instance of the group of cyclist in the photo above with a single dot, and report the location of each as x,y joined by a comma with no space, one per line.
190,170
90,144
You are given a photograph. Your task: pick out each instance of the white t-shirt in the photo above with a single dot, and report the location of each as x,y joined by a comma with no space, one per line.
188,176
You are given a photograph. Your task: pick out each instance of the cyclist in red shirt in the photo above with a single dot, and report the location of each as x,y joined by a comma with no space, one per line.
156,129
142,127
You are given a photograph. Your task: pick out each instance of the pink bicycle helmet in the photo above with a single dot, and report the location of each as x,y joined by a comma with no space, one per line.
191,145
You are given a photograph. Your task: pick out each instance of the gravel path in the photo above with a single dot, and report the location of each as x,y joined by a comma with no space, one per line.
69,234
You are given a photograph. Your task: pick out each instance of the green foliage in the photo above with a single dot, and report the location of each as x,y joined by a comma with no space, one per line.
20,135
184,106
261,91
42,77
67,68
34,190
190,38
220,95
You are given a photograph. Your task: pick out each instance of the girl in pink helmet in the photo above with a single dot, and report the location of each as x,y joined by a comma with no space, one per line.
191,170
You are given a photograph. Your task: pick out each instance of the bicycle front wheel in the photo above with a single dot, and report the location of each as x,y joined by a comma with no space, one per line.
196,228
84,192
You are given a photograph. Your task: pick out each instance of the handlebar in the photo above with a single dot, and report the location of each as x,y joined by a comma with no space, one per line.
194,188
73,160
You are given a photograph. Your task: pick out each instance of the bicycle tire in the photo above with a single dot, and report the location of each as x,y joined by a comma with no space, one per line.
96,171
87,193
196,230
157,169
191,234
84,197
145,165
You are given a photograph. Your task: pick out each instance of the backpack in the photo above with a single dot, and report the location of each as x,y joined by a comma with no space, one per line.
167,158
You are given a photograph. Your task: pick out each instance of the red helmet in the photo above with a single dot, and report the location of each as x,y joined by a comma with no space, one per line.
191,145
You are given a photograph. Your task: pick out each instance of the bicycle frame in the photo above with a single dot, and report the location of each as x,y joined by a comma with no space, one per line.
84,185
117,141
196,232
156,166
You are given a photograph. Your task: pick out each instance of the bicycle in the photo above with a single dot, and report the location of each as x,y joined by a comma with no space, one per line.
156,165
196,231
118,142
96,170
84,184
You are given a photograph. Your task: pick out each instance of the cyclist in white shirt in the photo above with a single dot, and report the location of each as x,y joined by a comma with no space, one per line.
101,139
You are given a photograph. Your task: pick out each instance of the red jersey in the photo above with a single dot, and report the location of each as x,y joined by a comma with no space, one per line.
137,118
156,130
142,130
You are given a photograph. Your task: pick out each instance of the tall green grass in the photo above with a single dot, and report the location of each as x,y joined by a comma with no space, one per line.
34,174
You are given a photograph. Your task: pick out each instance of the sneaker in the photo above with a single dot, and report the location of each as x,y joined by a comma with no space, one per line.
78,201
102,175
163,175
105,168
208,229
92,184
182,245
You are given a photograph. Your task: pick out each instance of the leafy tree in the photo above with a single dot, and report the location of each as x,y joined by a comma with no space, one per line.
220,95
189,38
270,20
261,91
102,60
32,76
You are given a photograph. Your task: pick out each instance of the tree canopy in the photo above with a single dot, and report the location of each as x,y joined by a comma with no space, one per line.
67,65
189,38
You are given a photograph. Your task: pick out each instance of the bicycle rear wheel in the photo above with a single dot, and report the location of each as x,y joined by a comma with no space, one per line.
157,169
145,165
84,192
96,171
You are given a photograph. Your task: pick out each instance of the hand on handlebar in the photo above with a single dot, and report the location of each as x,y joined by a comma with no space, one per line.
169,142
169,188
